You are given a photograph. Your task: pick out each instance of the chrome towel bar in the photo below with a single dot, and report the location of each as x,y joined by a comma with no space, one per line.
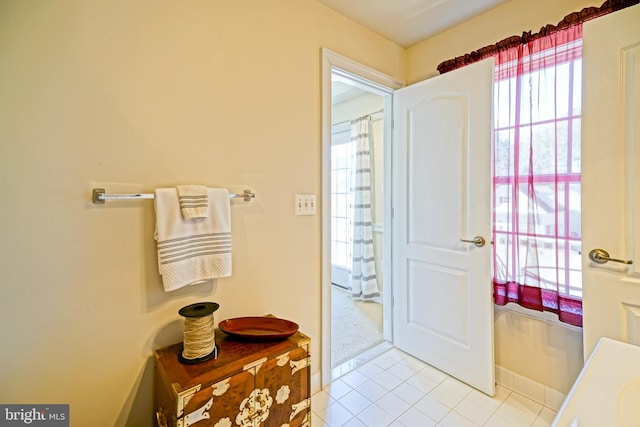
100,196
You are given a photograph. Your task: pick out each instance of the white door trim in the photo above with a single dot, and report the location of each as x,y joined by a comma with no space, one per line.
333,62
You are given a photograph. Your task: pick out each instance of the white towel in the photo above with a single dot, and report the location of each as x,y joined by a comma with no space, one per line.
195,250
194,202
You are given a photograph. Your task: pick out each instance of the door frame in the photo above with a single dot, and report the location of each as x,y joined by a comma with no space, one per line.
334,62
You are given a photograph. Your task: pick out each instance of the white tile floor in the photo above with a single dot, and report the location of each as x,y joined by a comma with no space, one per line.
395,389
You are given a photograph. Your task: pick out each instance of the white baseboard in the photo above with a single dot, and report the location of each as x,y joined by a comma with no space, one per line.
316,383
533,390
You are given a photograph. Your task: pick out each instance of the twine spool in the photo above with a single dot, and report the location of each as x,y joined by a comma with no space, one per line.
199,342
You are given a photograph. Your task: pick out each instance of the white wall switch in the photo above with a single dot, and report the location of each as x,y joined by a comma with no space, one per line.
305,204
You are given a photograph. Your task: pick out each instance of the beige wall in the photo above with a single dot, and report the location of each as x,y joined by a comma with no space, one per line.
548,353
135,95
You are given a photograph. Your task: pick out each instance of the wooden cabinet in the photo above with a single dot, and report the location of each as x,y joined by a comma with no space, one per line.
249,384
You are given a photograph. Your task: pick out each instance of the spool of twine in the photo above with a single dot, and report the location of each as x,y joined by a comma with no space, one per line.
199,337
199,334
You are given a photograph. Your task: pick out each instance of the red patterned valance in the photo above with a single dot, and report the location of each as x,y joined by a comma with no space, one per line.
574,18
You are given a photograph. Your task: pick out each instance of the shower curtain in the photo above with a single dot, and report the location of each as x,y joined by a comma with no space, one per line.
362,278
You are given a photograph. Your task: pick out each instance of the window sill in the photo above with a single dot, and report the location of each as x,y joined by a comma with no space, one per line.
543,316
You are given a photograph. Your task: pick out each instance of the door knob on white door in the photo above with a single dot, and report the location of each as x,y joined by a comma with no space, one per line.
478,241
601,257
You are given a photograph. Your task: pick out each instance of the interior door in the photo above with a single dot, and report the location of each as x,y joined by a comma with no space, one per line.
611,177
442,294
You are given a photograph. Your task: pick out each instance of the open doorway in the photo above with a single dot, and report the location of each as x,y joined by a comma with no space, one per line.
357,238
369,81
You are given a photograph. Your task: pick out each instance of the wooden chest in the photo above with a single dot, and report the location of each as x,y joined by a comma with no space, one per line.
249,384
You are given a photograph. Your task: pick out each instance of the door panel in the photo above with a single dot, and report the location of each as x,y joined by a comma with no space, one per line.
451,289
443,308
610,177
444,212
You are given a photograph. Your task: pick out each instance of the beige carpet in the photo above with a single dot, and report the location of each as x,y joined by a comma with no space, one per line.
356,326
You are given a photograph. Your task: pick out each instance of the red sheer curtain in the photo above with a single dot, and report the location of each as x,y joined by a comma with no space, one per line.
537,237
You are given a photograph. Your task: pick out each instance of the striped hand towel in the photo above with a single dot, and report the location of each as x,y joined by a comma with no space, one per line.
194,202
196,250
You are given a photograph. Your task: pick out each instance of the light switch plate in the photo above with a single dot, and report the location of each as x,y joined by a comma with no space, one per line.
305,204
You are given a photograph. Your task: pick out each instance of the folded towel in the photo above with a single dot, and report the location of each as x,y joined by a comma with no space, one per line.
192,251
194,202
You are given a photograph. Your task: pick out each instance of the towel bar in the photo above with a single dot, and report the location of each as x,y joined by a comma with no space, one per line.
100,196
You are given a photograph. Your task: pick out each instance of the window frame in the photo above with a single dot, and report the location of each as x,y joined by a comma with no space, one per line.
570,54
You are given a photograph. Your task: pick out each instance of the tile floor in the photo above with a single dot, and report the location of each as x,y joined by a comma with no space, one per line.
395,389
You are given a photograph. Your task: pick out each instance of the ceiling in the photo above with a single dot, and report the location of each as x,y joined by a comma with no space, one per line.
407,22
343,89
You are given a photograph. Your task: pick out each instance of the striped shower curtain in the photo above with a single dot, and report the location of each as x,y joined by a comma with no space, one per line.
362,278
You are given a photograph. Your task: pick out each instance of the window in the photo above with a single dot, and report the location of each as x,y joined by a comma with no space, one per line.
342,162
537,227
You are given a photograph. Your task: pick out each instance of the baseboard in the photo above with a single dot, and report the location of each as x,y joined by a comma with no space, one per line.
533,390
316,383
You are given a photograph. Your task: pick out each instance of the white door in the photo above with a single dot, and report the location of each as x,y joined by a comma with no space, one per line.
611,177
442,292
